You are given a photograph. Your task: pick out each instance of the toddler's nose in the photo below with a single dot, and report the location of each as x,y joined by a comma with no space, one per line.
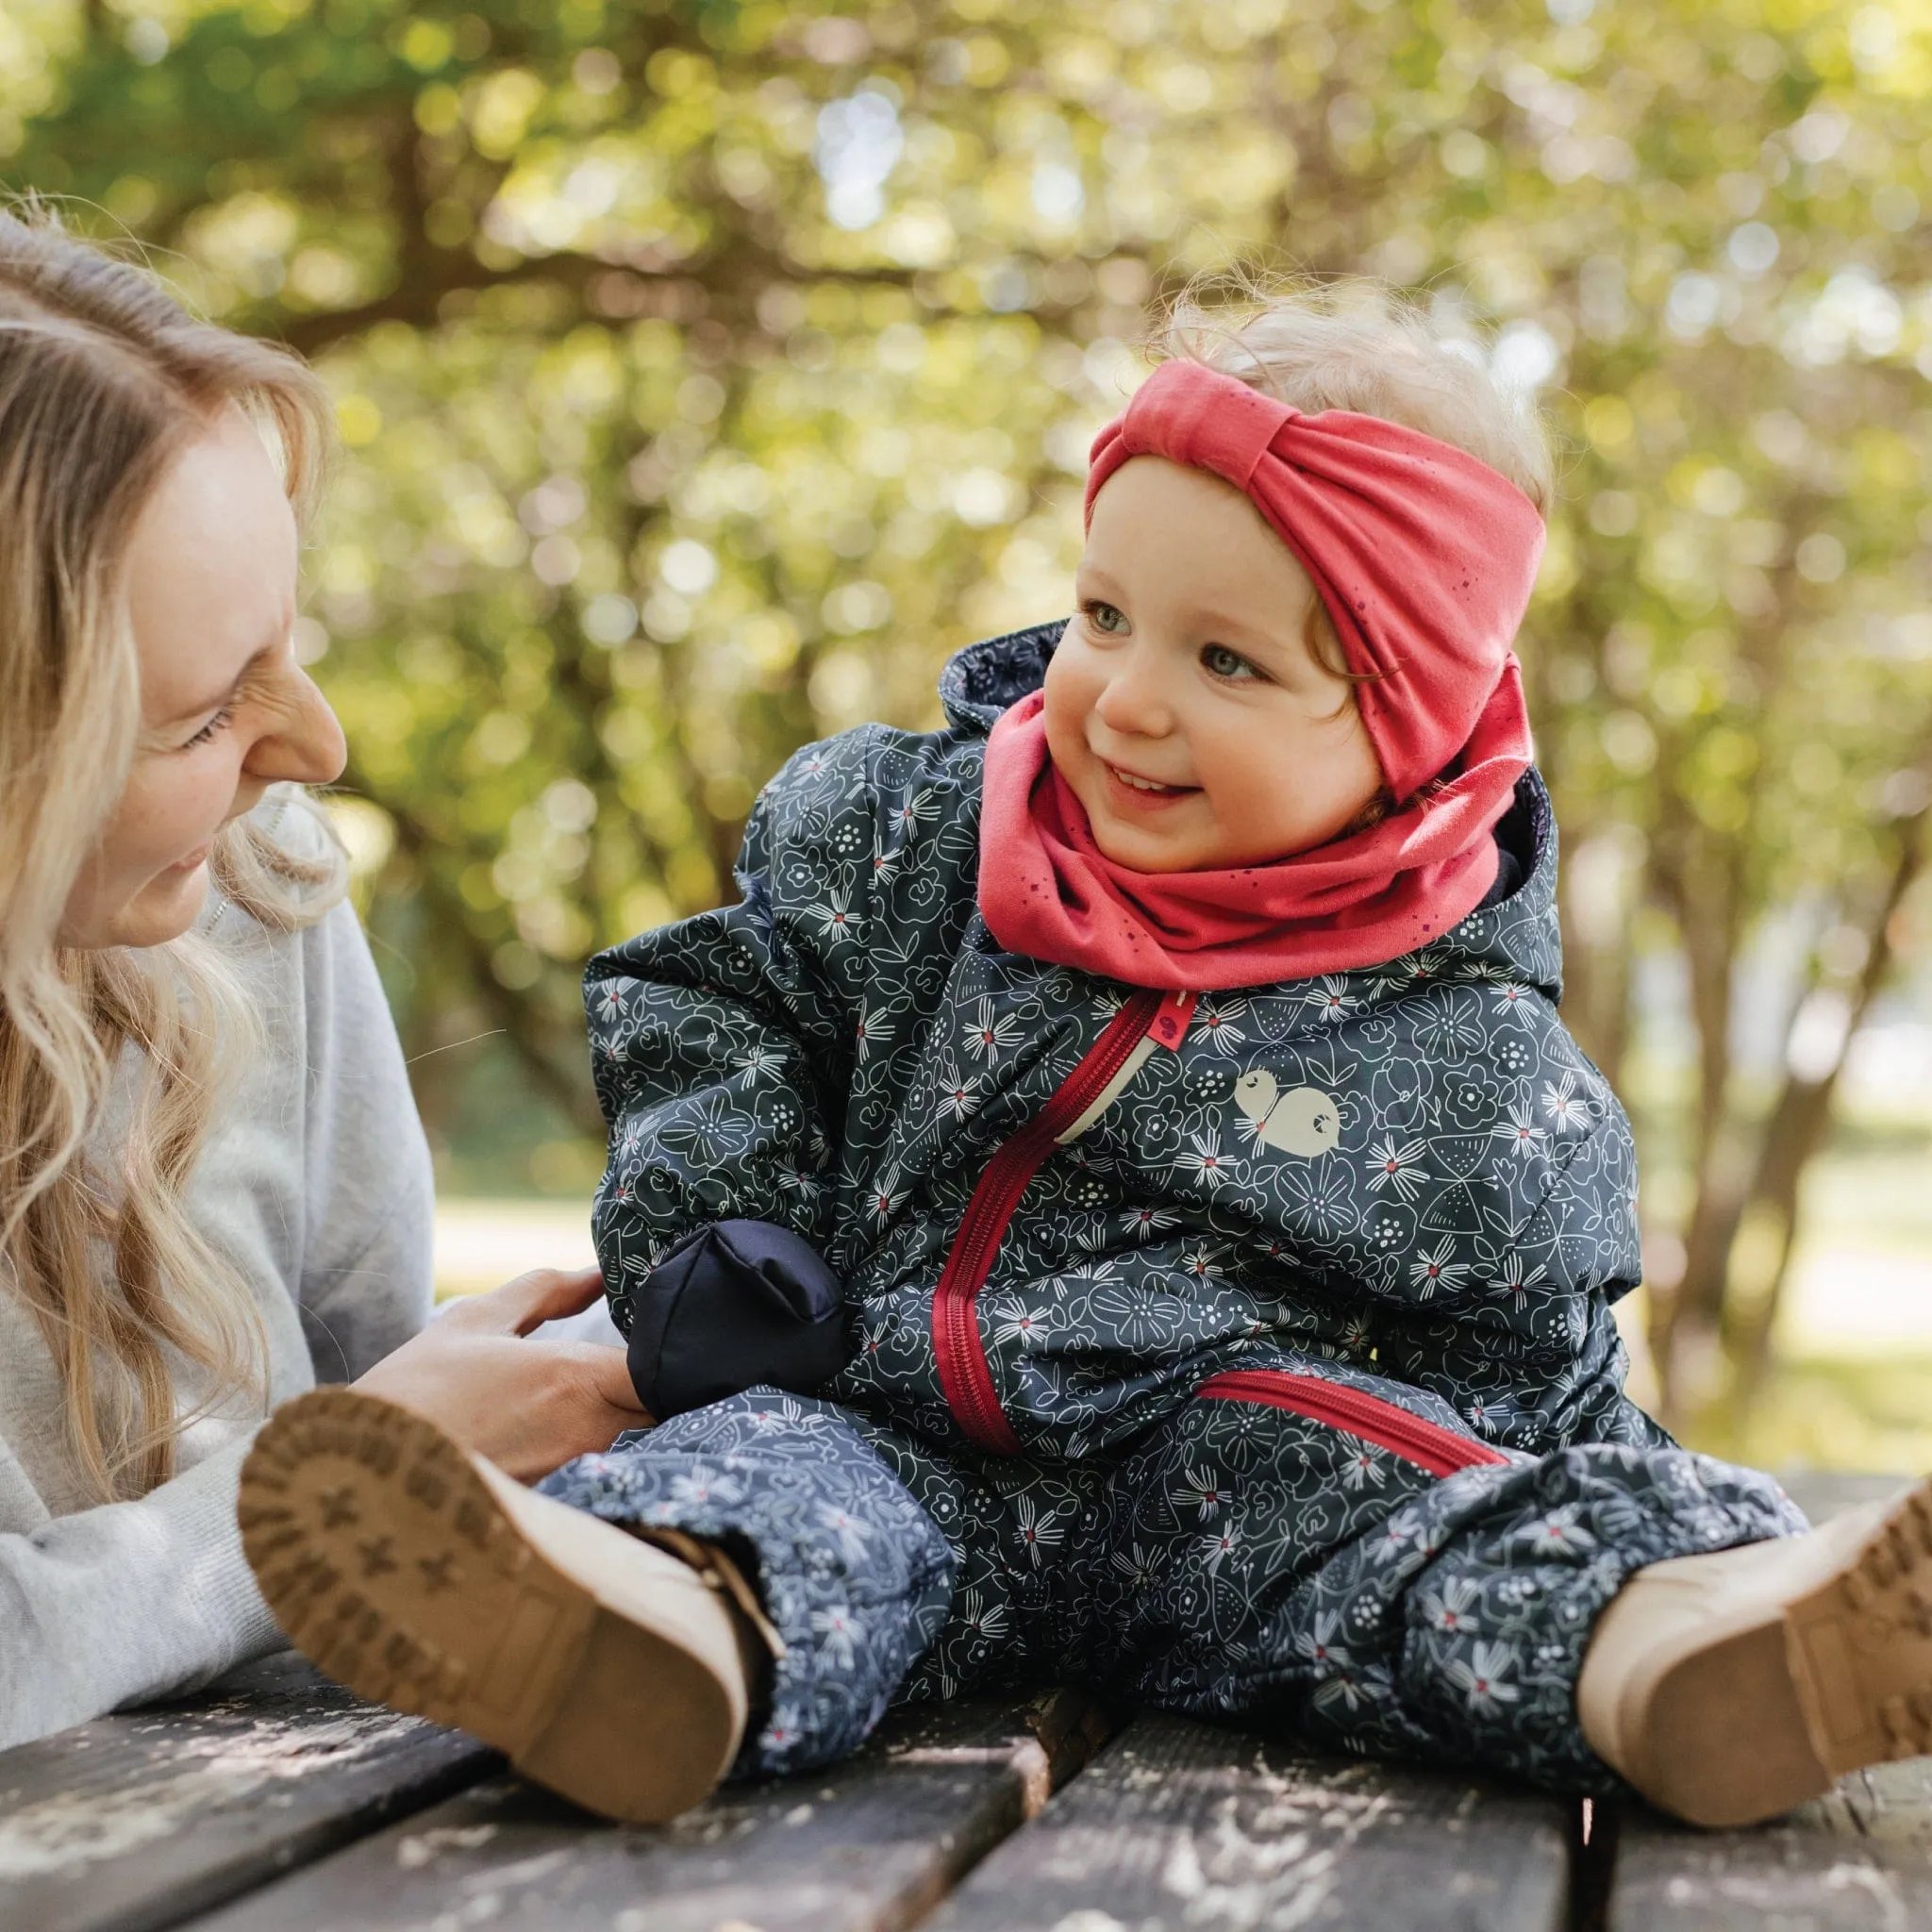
1132,702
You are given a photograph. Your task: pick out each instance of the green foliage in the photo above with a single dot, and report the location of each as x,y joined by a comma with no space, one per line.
709,371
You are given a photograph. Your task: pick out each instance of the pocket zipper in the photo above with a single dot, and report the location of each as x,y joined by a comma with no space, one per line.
1428,1445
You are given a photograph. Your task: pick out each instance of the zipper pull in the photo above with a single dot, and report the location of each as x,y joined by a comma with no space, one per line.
1169,1024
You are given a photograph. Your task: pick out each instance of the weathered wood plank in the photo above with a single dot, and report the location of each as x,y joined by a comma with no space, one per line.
1860,1858
137,1820
1179,1827
868,1846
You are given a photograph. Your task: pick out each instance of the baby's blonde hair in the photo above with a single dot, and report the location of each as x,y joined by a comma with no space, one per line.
1353,343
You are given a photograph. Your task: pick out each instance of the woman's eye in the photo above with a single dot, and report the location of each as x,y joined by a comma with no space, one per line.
1221,662
1106,619
212,729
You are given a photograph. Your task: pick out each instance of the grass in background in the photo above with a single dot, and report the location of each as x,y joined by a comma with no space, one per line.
1820,1413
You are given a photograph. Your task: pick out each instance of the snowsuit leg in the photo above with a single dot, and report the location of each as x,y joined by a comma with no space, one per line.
1254,1563
1015,1526
894,1572
853,1572
1247,1561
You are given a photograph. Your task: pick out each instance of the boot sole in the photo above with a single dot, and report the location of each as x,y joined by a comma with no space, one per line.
1769,1712
433,1584
1860,1648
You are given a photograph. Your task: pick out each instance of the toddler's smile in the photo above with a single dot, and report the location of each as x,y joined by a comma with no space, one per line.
1149,788
1184,706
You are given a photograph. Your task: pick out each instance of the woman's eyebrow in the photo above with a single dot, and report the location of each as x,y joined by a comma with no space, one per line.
223,697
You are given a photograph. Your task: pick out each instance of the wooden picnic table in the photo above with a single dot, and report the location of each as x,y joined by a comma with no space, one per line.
278,1801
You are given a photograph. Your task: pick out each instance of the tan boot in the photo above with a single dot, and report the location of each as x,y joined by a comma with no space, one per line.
1729,1687
422,1577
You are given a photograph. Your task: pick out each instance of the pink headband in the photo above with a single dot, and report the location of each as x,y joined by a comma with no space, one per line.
1422,556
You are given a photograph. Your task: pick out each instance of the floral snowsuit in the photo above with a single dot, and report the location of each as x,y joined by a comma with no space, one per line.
1289,1392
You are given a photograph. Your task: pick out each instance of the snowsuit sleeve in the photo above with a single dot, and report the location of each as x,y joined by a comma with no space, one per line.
1535,1361
723,1045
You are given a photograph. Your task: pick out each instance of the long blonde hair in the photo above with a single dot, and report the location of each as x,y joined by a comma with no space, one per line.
104,381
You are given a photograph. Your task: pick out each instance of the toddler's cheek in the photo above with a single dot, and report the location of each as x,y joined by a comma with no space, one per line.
1068,699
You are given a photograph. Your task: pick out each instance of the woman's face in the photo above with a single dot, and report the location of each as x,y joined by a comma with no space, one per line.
1183,704
225,709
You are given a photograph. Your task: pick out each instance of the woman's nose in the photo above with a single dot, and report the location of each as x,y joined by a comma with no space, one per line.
306,743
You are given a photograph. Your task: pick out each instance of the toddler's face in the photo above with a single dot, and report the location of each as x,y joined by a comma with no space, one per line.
1183,704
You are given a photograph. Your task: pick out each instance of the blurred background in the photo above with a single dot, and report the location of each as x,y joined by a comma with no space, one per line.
708,370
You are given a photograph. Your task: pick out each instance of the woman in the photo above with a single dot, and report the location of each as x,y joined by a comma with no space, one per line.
214,1190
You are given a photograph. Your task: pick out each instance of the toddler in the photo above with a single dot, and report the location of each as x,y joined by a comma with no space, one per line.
1163,1057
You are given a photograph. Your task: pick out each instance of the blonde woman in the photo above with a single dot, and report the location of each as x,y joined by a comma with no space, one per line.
214,1190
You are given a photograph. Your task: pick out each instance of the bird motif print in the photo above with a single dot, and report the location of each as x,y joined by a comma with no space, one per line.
1304,1121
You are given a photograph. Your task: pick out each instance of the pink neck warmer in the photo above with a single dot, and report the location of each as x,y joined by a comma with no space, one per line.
1424,559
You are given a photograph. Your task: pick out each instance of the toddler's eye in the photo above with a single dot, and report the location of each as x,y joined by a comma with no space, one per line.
1106,619
1221,662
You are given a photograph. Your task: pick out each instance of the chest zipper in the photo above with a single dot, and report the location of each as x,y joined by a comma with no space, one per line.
1148,1021
1429,1445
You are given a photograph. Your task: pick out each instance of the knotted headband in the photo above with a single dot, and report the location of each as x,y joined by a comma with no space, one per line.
1422,556
1424,559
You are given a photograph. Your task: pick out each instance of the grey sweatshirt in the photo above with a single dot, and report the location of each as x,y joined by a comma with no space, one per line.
317,1183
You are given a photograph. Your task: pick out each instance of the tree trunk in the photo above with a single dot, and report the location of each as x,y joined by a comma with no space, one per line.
1798,1123
1699,878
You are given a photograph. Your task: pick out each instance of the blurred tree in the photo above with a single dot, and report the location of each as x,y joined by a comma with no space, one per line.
709,370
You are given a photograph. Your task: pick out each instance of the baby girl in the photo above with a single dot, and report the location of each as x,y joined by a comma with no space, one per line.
1150,1223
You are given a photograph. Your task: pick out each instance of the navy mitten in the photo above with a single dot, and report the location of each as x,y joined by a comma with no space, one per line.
733,1305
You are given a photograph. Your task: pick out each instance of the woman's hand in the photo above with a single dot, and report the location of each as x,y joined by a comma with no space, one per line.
528,1405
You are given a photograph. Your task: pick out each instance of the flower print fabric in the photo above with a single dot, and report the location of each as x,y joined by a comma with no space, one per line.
1404,1179
1243,1562
844,1050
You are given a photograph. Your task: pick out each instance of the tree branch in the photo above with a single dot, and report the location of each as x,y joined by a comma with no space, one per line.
416,298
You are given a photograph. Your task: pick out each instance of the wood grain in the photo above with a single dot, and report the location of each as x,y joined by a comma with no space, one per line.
1180,1827
136,1820
1860,1858
871,1845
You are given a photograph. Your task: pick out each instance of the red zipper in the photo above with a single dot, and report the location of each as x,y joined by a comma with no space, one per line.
1429,1445
958,1346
